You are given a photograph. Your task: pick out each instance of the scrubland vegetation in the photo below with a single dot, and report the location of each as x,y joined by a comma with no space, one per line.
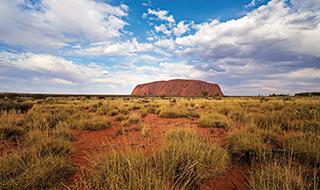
277,138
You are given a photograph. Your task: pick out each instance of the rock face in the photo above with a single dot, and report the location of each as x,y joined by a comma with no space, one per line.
177,87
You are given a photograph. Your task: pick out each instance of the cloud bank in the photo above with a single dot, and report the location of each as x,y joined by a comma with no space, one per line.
273,48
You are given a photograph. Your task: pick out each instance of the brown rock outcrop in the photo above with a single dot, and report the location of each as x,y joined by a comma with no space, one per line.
177,87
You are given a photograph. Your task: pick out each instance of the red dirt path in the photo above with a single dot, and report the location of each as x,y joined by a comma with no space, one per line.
93,142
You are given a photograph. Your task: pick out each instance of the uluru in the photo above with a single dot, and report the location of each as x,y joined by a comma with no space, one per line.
178,87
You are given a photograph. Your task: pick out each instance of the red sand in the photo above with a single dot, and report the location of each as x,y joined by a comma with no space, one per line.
96,141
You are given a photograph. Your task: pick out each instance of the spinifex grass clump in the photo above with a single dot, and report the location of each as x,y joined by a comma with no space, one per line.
306,147
9,126
246,144
277,175
113,112
214,120
143,112
269,119
43,164
49,117
94,124
144,128
134,118
26,170
118,171
186,159
176,112
44,144
14,105
120,117
62,130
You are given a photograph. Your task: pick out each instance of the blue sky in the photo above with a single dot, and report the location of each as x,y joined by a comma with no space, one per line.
248,47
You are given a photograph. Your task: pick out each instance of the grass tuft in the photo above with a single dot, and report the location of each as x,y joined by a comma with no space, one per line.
278,176
118,170
245,144
306,147
187,160
214,120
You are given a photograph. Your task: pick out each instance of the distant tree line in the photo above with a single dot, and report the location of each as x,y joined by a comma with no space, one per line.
308,94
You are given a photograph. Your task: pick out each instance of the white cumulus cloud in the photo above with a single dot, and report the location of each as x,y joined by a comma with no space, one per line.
160,15
52,24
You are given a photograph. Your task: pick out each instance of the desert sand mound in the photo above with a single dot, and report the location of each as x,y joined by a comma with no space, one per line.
178,87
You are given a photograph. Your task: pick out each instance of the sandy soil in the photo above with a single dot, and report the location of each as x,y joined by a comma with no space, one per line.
121,138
